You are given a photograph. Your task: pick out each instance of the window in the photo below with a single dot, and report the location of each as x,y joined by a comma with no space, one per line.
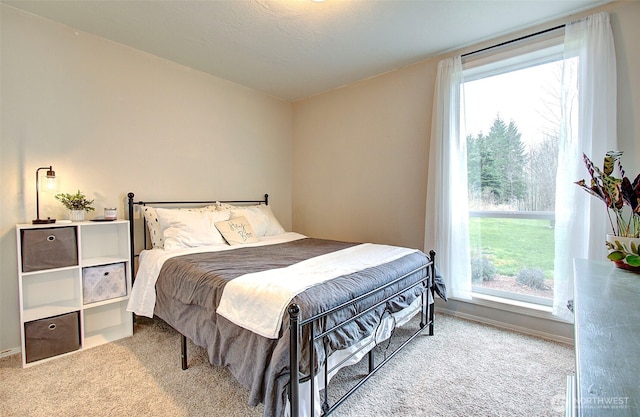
511,111
577,233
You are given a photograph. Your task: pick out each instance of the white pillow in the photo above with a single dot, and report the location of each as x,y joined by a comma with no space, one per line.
261,218
190,228
237,231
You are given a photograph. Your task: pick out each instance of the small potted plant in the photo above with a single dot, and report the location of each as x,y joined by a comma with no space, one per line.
77,204
617,193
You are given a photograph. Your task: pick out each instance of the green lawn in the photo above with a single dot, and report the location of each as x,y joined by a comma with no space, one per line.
513,244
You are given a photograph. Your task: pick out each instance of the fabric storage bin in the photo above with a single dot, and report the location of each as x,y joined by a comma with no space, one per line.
103,282
47,248
52,336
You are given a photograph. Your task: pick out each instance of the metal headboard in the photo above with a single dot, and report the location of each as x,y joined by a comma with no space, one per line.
132,204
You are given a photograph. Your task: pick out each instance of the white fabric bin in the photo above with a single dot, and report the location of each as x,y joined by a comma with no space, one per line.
103,282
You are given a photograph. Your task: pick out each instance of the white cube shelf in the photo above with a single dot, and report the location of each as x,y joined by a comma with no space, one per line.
49,292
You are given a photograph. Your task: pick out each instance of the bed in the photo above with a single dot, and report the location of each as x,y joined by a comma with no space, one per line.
268,304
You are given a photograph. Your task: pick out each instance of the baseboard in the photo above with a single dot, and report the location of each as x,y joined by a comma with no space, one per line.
9,352
506,326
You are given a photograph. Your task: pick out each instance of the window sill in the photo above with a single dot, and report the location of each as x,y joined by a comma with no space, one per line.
522,317
515,315
514,306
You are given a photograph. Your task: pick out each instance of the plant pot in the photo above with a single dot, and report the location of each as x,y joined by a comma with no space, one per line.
630,245
76,215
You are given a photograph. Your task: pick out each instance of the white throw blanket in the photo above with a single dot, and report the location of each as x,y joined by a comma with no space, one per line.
143,294
257,301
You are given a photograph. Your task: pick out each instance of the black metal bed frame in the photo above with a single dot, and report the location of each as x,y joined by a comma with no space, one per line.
297,324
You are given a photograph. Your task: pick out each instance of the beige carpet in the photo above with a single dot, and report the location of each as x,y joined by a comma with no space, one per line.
465,369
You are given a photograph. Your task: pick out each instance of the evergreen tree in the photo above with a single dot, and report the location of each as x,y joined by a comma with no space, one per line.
474,166
515,170
497,164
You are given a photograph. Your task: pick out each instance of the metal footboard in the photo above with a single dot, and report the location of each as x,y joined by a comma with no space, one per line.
296,330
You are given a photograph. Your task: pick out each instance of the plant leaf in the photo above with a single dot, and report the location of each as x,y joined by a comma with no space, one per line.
616,256
594,191
633,260
610,160
635,185
612,191
629,194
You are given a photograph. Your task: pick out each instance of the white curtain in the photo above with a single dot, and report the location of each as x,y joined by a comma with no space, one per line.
589,128
447,218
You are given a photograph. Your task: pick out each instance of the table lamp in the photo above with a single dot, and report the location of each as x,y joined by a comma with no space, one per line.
48,183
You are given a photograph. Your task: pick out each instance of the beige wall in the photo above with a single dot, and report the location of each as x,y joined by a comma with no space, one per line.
111,119
360,159
626,32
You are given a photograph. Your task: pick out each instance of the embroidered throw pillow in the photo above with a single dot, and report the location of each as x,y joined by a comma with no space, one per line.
237,231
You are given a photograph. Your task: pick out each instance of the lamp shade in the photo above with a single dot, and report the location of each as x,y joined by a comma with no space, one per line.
49,182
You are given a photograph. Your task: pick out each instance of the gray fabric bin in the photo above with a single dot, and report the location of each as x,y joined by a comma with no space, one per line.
52,336
48,248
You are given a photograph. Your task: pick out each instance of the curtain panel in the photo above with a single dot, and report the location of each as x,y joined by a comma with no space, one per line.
447,222
589,128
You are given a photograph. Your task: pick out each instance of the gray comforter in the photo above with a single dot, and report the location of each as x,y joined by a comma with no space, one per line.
190,287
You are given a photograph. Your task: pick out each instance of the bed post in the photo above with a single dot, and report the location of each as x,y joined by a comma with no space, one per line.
432,283
183,353
266,199
294,312
131,230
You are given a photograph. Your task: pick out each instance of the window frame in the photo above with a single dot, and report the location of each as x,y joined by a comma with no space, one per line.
512,56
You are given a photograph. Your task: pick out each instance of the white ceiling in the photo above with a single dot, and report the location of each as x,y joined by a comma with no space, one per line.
297,48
